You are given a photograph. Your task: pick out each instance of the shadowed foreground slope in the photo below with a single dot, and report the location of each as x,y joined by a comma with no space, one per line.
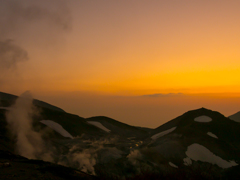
17,167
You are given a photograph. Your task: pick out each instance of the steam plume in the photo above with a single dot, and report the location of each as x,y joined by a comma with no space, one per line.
16,16
29,143
134,157
11,55
19,13
85,159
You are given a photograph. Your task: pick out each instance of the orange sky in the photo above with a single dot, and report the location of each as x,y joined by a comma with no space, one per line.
128,49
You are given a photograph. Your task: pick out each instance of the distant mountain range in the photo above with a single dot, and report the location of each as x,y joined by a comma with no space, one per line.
200,143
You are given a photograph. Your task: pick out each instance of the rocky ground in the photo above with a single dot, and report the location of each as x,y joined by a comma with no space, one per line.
20,168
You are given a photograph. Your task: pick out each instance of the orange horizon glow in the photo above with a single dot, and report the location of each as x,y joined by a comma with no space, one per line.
150,47
129,49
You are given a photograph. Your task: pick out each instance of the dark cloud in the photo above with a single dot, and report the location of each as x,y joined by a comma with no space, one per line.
11,54
163,95
17,14
16,19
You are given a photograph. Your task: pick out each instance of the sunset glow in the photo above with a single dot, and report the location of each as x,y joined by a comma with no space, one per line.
129,49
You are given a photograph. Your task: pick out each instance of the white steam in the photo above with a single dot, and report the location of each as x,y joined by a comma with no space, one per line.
29,143
44,21
134,156
86,158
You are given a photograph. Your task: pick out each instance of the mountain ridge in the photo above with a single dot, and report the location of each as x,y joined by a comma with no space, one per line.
12,98
199,138
235,117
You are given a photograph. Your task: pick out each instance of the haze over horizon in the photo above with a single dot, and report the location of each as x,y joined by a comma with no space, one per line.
142,63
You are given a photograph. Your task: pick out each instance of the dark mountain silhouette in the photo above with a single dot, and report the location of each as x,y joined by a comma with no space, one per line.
200,128
8,99
119,128
200,143
17,167
235,117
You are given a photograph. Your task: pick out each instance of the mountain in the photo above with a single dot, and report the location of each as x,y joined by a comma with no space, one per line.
73,124
149,130
198,141
199,144
203,121
38,130
235,117
117,128
8,99
198,137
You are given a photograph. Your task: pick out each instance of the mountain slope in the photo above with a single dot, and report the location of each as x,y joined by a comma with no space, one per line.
74,124
235,117
198,141
8,99
17,167
218,125
116,127
199,135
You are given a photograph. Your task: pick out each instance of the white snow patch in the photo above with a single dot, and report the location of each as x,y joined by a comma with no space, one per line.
187,161
173,165
212,135
203,119
99,125
200,153
158,135
57,127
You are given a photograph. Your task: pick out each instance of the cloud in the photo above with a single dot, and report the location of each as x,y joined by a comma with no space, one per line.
163,95
18,13
17,18
11,54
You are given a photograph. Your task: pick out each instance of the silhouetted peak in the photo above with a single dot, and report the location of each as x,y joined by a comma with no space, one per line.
100,118
235,117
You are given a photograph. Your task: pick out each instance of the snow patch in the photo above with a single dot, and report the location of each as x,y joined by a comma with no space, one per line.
57,127
173,165
200,153
99,125
203,119
212,135
158,135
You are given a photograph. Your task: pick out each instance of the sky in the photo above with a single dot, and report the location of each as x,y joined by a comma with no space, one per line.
139,62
